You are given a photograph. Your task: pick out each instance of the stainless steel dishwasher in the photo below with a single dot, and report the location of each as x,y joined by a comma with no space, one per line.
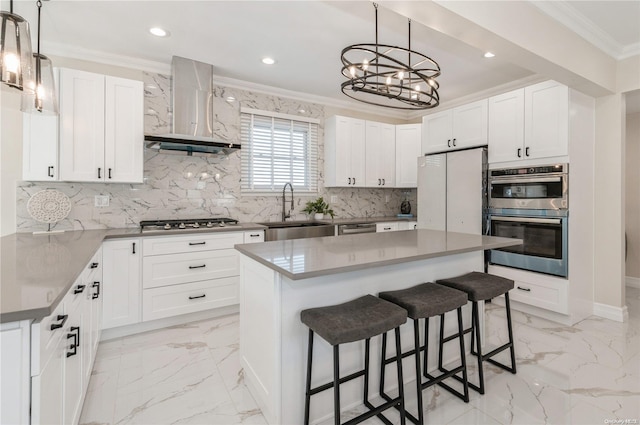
350,229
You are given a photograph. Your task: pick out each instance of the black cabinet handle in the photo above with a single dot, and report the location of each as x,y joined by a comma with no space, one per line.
449,143
198,267
197,243
99,171
349,180
387,228
354,180
50,171
134,248
193,297
94,265
109,172
97,294
523,289
526,151
76,340
79,289
384,182
519,152
62,317
254,235
454,142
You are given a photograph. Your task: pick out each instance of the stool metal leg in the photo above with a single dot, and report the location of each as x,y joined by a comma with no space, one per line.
463,357
307,397
400,378
476,331
336,384
416,342
383,364
512,348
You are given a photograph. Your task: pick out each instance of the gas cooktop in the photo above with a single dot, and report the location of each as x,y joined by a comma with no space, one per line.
190,224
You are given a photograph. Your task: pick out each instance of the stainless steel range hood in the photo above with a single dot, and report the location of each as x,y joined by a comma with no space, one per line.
192,98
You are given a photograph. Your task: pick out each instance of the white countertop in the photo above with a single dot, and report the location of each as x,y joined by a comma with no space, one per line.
306,258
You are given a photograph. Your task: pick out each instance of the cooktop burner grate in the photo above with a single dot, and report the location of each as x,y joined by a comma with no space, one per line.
193,223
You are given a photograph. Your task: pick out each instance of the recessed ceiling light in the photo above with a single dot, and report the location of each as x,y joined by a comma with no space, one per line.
159,32
230,98
489,55
302,111
268,61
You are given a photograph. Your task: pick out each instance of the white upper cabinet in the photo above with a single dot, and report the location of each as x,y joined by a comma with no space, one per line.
529,123
546,120
101,128
506,126
408,141
380,142
40,147
457,128
344,152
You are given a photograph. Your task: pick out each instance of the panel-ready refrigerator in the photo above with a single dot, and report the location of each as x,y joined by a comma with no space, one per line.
452,191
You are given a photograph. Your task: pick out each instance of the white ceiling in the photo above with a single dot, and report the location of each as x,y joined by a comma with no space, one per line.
305,38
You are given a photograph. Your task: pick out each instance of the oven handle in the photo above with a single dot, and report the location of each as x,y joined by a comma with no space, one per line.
528,220
511,180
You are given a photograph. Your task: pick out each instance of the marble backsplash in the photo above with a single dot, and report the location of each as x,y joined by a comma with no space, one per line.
179,186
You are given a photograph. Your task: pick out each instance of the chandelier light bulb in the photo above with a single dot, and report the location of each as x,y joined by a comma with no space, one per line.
11,62
352,70
414,95
401,75
365,64
417,88
388,81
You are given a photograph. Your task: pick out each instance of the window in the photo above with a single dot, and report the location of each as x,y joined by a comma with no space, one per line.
277,149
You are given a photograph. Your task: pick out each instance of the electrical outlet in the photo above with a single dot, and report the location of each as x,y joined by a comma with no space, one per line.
334,199
101,200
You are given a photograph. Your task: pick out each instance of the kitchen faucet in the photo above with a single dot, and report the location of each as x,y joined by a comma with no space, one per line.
286,215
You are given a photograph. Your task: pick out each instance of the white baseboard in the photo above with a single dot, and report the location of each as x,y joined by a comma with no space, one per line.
633,282
619,314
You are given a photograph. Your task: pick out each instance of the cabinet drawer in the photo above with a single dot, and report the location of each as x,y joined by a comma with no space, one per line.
254,236
190,243
539,290
163,270
189,297
387,227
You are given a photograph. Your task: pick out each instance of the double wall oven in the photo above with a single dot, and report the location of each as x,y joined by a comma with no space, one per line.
531,204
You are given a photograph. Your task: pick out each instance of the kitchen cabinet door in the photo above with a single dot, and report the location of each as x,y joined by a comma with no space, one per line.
344,152
408,140
121,288
380,142
506,126
436,132
470,124
73,372
124,133
81,126
47,388
39,147
464,191
546,120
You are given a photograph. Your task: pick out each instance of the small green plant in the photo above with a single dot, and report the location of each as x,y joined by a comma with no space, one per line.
319,206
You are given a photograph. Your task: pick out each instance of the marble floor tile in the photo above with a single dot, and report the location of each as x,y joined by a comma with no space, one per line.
190,374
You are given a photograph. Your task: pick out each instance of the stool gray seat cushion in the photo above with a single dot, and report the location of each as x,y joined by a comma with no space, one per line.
354,320
426,299
479,286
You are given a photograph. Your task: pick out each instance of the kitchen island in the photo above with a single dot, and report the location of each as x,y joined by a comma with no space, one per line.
281,278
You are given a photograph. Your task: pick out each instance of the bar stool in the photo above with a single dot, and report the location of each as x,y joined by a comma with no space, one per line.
423,302
481,287
356,320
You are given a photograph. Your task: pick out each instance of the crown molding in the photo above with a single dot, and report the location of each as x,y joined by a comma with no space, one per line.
562,12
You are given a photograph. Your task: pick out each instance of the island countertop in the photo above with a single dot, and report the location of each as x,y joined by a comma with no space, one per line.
306,258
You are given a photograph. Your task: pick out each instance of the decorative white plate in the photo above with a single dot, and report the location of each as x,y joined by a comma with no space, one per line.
49,206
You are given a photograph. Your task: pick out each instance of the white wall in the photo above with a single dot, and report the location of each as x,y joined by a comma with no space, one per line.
10,156
632,204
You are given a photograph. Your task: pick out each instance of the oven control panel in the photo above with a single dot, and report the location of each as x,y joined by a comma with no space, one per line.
547,169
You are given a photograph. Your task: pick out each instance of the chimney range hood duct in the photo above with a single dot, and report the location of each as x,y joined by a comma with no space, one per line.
192,97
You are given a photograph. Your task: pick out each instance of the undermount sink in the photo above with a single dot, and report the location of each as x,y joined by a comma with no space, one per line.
282,230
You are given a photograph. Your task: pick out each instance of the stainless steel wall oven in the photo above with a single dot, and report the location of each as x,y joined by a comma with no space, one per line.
531,204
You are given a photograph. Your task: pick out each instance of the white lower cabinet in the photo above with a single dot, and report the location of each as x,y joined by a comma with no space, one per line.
387,227
186,274
121,290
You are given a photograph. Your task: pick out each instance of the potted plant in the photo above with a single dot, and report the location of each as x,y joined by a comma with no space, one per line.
318,208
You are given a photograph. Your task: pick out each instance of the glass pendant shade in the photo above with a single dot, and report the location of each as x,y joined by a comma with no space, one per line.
16,65
42,97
